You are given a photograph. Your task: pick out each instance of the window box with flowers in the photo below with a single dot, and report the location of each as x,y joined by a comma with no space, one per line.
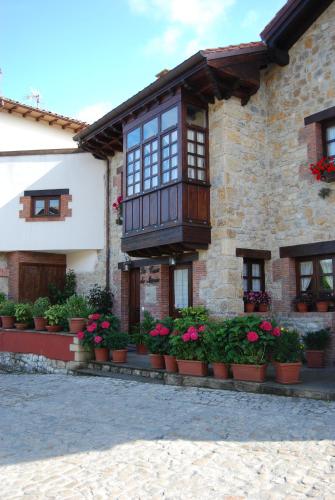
117,206
250,300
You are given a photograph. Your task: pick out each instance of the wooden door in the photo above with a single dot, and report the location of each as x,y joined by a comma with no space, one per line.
134,297
180,288
34,280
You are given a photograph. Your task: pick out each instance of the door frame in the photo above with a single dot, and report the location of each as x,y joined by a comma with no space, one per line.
134,271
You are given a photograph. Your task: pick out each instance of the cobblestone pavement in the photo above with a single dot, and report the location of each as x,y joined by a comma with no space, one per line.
64,437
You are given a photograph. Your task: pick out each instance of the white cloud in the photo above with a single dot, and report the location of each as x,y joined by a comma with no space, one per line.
192,18
93,112
250,19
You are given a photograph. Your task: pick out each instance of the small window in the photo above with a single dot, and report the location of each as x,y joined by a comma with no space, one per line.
169,118
196,156
46,206
134,138
329,139
181,288
195,116
316,275
253,275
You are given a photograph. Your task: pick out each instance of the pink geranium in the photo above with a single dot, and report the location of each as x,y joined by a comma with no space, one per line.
266,326
92,327
252,336
276,332
94,316
202,328
192,329
194,336
154,333
164,331
81,335
105,324
97,339
186,337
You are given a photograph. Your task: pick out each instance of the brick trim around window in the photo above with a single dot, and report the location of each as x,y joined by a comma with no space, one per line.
26,211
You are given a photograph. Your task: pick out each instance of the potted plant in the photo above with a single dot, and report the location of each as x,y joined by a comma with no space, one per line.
189,348
287,357
39,308
302,302
315,345
77,311
97,333
55,316
23,316
216,339
322,302
141,331
117,206
118,343
249,344
157,342
263,301
250,301
7,313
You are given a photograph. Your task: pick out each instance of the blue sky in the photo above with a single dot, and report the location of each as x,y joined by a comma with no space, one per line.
86,57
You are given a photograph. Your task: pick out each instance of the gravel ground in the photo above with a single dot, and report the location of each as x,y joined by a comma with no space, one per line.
64,437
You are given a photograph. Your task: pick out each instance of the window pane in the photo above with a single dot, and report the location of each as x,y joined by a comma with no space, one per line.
137,177
166,177
191,173
201,162
166,152
327,283
180,278
200,150
174,136
137,154
154,146
169,118
137,166
306,268
133,138
201,175
154,169
191,147
137,188
131,156
130,190
305,284
147,161
330,133
174,161
256,270
256,285
147,149
200,137
39,207
331,149
147,184
191,160
154,181
166,165
326,266
245,285
190,135
196,116
150,129
245,269
130,168
174,149
54,207
174,174
166,140
147,173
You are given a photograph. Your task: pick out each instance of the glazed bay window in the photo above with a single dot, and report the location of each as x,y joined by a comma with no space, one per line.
48,206
315,276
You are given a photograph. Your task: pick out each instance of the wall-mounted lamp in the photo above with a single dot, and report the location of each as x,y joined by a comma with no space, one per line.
127,263
172,261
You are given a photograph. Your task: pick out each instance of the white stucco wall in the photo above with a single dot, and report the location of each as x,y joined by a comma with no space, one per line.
18,133
81,174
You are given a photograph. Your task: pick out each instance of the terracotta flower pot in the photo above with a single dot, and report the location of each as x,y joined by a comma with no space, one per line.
287,373
141,349
21,326
249,308
119,355
40,323
195,368
53,328
170,363
315,359
7,321
101,354
322,306
263,308
157,361
249,373
302,307
77,324
220,370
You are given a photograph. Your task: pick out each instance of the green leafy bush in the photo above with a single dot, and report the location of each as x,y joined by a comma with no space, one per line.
7,308
76,306
157,340
23,313
288,348
55,315
140,332
2,297
216,337
190,345
99,330
40,307
117,340
317,340
58,295
100,299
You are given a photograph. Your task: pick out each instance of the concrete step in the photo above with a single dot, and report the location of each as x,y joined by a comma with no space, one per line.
86,372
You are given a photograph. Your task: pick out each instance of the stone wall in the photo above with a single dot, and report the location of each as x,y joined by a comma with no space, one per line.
33,363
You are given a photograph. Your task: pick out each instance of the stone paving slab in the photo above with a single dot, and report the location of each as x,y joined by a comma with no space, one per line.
96,438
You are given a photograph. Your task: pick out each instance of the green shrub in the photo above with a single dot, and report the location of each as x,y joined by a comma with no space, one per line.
157,340
100,299
217,340
189,346
23,313
2,297
117,340
288,348
40,306
76,306
58,295
55,315
7,308
140,332
317,340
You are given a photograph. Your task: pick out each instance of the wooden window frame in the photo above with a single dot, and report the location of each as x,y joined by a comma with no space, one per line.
325,125
189,267
249,277
46,200
316,290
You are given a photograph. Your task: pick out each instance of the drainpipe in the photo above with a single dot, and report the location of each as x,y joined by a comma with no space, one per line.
107,228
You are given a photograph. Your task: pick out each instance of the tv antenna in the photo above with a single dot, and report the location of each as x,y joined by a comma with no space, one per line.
35,95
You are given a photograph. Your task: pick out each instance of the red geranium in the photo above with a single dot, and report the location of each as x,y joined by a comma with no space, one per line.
324,165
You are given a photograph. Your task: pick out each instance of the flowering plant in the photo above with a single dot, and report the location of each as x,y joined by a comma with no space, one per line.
250,340
117,206
189,344
157,340
263,298
251,297
288,348
98,331
322,167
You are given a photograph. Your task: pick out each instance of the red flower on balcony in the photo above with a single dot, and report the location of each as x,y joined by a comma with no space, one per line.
323,166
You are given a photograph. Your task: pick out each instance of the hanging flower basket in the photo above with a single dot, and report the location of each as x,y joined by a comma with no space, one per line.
324,169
